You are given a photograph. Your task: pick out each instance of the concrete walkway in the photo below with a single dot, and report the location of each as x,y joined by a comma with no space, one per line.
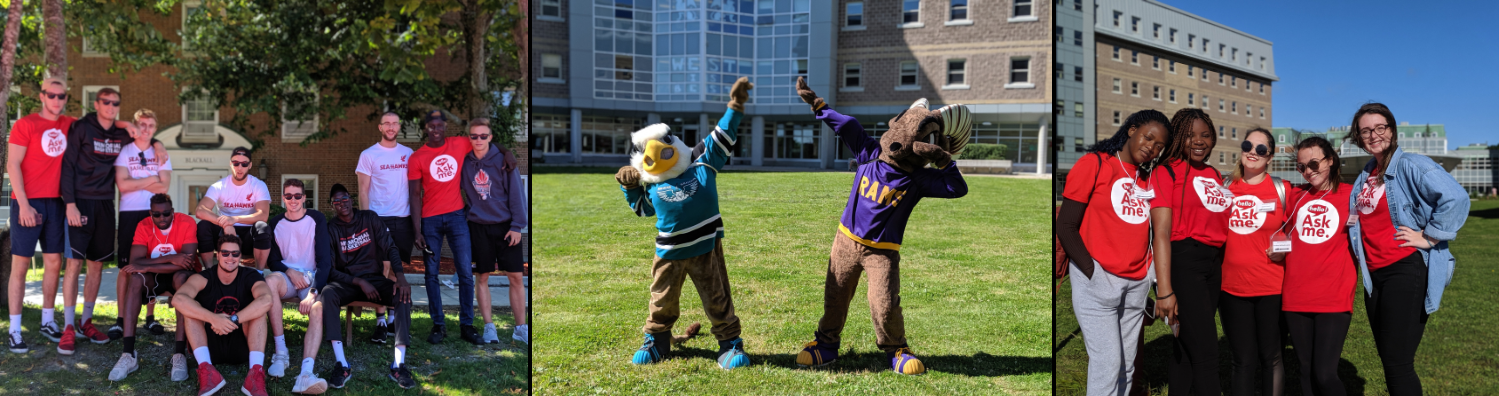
499,290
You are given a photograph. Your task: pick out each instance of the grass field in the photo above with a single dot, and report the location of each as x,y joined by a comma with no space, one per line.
453,368
973,289
1457,353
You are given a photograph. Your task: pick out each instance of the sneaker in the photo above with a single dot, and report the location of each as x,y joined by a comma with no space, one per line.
731,354
816,354
155,327
652,352
403,377
50,331
467,333
209,380
490,335
98,337
65,346
117,331
438,332
902,361
254,382
179,367
278,365
522,333
309,384
339,376
16,345
381,334
124,367
449,282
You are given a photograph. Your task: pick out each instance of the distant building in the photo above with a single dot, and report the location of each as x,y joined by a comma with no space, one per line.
1477,173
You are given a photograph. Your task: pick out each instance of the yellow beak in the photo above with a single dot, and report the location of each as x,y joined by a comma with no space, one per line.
660,157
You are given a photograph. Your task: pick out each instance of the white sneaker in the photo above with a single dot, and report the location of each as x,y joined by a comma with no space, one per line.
278,365
124,367
179,367
490,335
310,384
449,283
522,333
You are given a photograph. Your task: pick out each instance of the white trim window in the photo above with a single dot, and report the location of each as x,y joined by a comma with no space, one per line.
1234,106
1172,95
1134,57
1173,36
1022,11
1171,66
551,68
1155,31
1020,72
1155,92
1220,105
957,10
90,92
851,74
309,188
910,73
187,9
1116,53
1189,70
1134,24
957,71
1191,99
1077,109
1134,89
199,119
1117,86
1262,113
550,9
1116,117
90,50
853,15
296,128
1220,131
1155,62
1190,39
910,13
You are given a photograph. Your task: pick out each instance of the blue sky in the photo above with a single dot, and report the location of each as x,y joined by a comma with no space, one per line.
1431,61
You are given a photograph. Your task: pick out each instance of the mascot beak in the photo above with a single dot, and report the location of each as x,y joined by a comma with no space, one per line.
659,156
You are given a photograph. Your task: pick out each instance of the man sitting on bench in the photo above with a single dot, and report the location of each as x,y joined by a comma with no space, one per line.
301,256
162,258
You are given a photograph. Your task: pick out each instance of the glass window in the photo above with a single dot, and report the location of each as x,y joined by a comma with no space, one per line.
908,72
1077,73
1020,70
1077,38
1077,109
1116,85
958,10
551,8
1022,8
1134,88
910,11
851,74
955,71
854,14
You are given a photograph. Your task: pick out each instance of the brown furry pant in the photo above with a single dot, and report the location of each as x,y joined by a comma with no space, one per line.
848,259
711,277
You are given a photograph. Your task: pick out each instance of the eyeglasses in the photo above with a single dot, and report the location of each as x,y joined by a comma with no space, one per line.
158,215
484,136
1259,149
238,164
229,253
1369,132
53,96
293,197
1315,165
110,103
337,201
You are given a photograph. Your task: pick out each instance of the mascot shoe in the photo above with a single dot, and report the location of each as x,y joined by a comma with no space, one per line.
651,351
902,361
731,354
817,355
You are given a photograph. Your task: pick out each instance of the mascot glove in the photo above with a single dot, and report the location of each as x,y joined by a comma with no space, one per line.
933,153
808,95
739,94
628,176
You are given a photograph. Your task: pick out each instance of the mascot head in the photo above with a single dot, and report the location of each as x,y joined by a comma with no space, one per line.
658,155
919,130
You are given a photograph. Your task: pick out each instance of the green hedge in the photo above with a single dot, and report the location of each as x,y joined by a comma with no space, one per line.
983,151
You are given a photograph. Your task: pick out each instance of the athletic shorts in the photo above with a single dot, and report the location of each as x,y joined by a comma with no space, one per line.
125,237
292,290
52,232
95,240
491,251
232,348
156,284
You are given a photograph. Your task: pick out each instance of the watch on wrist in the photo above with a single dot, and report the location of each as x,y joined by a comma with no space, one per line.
234,318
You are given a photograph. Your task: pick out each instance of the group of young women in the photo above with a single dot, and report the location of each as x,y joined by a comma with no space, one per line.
1144,207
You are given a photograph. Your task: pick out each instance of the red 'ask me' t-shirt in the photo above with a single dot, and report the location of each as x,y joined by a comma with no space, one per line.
1375,228
438,169
1319,268
1199,209
44,141
1116,228
183,231
1247,269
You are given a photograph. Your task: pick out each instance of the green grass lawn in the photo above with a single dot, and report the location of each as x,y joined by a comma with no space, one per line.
973,289
453,368
1457,353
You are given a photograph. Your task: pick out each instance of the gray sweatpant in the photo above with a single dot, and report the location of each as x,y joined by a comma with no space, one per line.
1109,310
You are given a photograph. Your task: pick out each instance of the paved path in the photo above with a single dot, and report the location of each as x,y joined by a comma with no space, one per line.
499,289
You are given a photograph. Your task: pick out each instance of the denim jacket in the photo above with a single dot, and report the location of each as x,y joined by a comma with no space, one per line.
1424,197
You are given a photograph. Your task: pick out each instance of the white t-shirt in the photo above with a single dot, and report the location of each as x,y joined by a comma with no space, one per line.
295,238
130,158
387,170
238,200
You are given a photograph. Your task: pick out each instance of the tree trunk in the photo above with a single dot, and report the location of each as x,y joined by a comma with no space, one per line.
55,38
475,26
7,66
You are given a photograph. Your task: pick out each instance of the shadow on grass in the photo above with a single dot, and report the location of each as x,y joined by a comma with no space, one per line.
1158,355
1491,213
978,365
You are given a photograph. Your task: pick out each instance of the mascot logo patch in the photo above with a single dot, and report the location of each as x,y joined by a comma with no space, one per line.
1369,197
1212,197
1244,220
443,168
481,184
670,193
1130,209
164,249
1317,222
54,142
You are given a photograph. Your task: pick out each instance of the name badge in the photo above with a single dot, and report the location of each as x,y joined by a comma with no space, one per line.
1266,207
1145,194
1280,243
1226,193
1352,219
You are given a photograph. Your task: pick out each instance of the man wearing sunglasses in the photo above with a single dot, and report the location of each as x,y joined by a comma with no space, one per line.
239,205
162,257
382,189
496,215
37,142
301,256
140,175
224,313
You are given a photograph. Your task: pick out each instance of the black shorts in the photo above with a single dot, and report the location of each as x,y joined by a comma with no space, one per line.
95,240
491,251
156,284
232,348
254,237
126,236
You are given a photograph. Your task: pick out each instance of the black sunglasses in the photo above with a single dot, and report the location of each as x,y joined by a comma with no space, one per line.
142,158
1259,149
1315,165
238,164
158,215
54,96
229,253
478,137
110,103
291,197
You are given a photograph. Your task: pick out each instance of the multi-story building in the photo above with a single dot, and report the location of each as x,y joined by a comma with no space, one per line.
1425,139
607,69
1477,172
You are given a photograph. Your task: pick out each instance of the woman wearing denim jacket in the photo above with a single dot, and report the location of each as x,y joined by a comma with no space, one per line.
1408,207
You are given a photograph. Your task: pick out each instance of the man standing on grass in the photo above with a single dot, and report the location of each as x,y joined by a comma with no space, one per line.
301,256
382,189
140,175
36,147
364,269
238,205
224,312
497,213
162,258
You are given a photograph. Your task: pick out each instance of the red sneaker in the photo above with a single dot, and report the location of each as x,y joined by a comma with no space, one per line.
98,337
255,382
209,380
65,343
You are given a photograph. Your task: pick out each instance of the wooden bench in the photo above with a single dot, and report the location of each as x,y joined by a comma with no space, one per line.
353,309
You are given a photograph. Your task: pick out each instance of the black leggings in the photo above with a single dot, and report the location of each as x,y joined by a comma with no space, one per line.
1197,279
1318,338
1252,326
1397,316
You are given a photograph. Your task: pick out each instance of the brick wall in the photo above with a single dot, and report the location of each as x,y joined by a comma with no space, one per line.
550,37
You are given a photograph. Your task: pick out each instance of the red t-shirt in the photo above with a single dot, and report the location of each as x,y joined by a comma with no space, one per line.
438,169
182,232
45,141
1116,227
1377,231
1199,209
1319,268
1247,269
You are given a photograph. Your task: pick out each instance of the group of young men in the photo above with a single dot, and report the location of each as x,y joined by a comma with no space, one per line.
65,173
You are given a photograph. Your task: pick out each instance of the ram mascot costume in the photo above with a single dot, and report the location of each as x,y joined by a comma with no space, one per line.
892,177
682,192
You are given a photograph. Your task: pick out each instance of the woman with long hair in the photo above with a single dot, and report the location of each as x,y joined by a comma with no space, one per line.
1104,229
1408,207
1252,270
1194,208
1317,294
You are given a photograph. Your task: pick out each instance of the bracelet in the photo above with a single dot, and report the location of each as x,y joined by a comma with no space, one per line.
1158,298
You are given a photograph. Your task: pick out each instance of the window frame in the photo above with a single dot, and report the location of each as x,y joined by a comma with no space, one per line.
910,14
559,79
296,135
1012,73
848,16
858,71
901,73
542,15
962,74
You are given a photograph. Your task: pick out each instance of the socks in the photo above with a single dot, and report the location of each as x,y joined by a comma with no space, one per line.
380,319
338,352
307,366
181,347
48,312
400,356
88,312
15,323
130,345
281,344
256,359
201,353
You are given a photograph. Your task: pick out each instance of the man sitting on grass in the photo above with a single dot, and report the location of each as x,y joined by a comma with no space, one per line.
170,240
225,318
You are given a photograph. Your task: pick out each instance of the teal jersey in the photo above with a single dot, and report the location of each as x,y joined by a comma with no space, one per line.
686,207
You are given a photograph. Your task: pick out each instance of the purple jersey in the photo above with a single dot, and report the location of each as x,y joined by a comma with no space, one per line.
883,195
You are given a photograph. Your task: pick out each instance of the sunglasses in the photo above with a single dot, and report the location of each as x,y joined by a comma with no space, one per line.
1315,165
238,164
341,200
142,158
229,253
293,197
158,215
479,137
1258,149
53,96
110,103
